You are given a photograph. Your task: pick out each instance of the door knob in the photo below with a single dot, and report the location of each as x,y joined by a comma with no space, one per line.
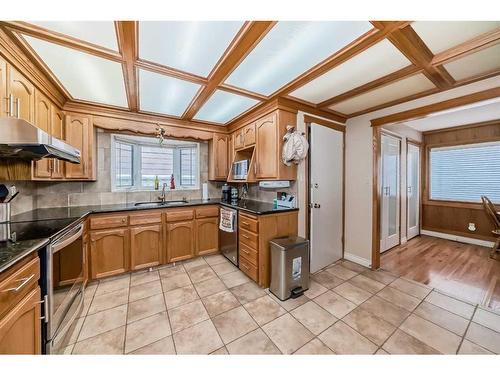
317,205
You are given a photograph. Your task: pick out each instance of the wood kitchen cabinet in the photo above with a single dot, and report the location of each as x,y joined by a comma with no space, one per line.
57,130
3,88
267,152
146,246
238,139
218,153
109,252
80,134
180,241
23,95
249,135
42,169
207,235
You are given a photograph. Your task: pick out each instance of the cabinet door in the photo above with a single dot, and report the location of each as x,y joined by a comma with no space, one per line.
43,119
220,154
249,135
267,148
24,94
109,252
79,135
57,130
180,241
4,110
238,140
20,331
145,246
207,235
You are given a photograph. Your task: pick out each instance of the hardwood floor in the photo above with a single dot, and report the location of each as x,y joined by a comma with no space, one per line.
462,270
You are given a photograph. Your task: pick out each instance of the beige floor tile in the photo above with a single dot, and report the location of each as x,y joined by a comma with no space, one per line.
146,331
487,318
65,351
110,342
412,288
484,337
145,307
106,301
103,321
255,342
187,315
201,273
468,347
164,346
399,298
264,309
201,338
352,293
315,289
234,279
370,326
313,317
193,263
290,303
174,282
172,271
327,279
220,351
139,278
402,343
342,339
88,296
248,292
342,272
233,324
287,333
113,284
451,304
180,296
220,302
314,347
442,317
145,290
431,334
385,310
365,283
223,268
381,276
209,287
336,305
212,260
71,336
358,268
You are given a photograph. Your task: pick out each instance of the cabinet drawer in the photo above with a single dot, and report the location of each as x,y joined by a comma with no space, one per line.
250,239
16,285
248,268
249,224
249,254
211,211
180,215
145,218
108,221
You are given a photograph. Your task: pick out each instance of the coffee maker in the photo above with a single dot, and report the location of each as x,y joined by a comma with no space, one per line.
226,193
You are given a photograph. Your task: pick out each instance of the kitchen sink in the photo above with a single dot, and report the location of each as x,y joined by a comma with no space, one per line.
159,204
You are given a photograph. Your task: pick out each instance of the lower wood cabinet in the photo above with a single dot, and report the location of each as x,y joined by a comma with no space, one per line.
180,241
207,235
109,252
145,246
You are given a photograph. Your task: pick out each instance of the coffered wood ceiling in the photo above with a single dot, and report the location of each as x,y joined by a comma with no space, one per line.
337,69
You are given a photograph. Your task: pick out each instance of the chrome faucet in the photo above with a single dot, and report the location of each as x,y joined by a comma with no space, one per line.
162,197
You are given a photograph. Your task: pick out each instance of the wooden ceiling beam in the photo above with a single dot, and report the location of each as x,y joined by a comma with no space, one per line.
172,72
244,42
425,111
127,42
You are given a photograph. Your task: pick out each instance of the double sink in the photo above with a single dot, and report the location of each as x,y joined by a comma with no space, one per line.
162,203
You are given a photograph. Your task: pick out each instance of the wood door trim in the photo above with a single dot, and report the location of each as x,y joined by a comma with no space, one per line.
329,124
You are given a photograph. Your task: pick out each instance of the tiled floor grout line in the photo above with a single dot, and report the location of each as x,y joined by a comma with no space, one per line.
126,316
168,315
85,316
466,329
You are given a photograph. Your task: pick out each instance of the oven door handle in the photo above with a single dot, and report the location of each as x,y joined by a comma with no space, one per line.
67,241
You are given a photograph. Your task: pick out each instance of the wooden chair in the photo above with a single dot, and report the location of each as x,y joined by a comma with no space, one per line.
492,214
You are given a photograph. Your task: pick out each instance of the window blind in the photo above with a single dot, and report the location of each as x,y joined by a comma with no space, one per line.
156,161
188,162
124,164
464,173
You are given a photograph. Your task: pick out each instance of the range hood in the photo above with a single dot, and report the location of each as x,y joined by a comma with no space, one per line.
21,140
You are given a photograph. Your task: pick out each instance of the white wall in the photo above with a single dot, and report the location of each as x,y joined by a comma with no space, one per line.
359,168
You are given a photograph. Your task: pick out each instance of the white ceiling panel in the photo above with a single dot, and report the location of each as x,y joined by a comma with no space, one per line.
163,94
397,90
471,65
194,47
101,33
86,77
441,35
223,106
289,49
377,61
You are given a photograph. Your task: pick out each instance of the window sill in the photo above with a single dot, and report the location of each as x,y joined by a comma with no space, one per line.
153,190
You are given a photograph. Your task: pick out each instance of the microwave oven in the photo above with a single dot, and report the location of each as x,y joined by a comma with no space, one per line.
240,169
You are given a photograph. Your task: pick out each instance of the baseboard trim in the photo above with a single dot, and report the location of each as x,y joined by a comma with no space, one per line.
452,237
403,240
358,260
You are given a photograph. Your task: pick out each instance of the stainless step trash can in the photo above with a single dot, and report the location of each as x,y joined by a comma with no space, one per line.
289,267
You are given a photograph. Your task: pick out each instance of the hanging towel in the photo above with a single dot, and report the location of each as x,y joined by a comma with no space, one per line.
226,220
295,148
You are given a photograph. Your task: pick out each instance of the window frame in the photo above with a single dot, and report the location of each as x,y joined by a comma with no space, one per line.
136,142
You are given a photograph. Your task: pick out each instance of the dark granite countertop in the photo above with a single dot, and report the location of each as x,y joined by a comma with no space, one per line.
13,252
257,207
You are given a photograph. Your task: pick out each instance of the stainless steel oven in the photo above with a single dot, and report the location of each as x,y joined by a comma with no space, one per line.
65,283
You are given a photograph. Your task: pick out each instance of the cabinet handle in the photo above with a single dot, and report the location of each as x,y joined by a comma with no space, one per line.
244,235
245,251
123,220
244,265
24,282
244,223
9,100
18,107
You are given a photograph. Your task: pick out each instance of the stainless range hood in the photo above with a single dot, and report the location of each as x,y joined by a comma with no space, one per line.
21,140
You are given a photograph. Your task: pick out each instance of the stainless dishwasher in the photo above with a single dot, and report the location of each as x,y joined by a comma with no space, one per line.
228,238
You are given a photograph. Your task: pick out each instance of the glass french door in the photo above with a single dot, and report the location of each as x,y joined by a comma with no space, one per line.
413,190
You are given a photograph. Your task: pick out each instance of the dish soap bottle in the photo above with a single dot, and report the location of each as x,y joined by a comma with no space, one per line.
157,183
172,182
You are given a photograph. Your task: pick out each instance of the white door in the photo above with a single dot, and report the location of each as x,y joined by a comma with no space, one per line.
413,190
389,200
326,178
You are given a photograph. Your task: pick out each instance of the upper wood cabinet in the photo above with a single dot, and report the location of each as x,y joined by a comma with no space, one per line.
109,252
249,135
80,134
146,246
57,130
23,95
218,152
3,89
238,139
43,120
180,241
267,148
207,235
